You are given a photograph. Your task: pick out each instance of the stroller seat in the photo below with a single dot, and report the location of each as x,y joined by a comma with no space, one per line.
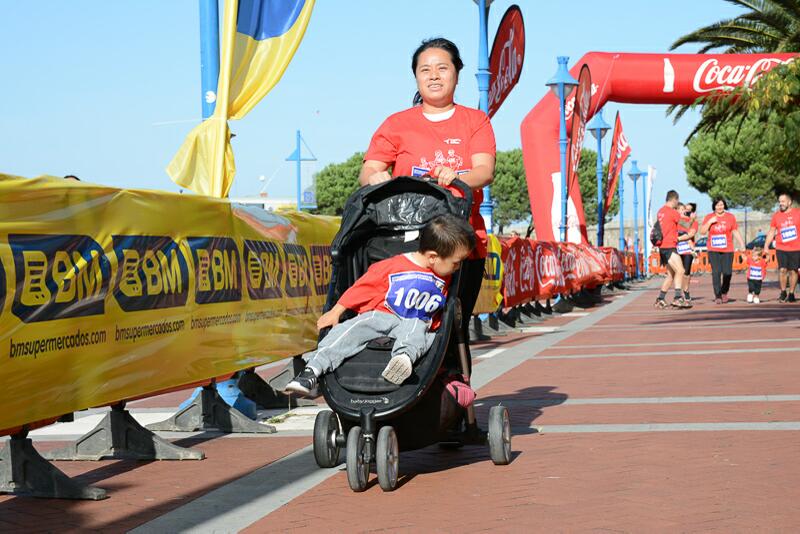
362,374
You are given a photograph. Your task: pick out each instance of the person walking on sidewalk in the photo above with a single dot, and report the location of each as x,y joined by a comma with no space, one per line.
784,225
688,226
669,220
756,273
722,228
439,138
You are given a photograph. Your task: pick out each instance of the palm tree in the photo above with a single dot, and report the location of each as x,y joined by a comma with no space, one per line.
766,26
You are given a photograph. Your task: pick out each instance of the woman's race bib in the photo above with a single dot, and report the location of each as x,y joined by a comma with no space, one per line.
788,233
415,295
719,241
684,247
755,273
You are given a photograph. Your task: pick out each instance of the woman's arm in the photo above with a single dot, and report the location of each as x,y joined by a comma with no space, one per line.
373,172
482,172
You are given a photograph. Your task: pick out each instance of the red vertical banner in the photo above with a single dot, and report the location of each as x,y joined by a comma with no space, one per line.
620,150
508,54
576,221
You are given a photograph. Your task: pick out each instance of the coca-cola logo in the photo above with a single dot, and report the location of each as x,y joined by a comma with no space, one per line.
567,264
546,268
711,76
505,61
510,286
569,105
526,269
508,70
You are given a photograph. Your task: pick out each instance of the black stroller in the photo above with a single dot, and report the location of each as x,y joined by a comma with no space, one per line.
373,418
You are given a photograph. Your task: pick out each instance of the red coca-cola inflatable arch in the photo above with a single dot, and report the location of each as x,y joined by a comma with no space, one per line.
631,79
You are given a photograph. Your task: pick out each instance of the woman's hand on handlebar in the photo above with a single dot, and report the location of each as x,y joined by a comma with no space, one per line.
444,175
379,178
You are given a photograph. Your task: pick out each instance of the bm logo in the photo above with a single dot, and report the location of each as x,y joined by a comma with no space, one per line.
58,276
265,270
152,273
217,269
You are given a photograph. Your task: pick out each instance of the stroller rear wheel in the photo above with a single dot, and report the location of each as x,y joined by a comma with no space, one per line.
357,464
326,432
387,458
499,435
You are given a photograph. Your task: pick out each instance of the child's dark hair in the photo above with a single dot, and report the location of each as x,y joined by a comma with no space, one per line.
436,42
445,234
692,206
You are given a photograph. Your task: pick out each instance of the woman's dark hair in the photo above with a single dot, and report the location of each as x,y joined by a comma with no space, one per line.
436,42
717,201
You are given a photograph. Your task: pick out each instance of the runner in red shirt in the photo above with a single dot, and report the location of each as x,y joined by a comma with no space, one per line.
401,297
721,227
689,227
668,220
785,225
756,274
439,138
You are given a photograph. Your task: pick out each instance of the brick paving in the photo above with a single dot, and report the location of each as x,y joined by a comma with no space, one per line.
694,478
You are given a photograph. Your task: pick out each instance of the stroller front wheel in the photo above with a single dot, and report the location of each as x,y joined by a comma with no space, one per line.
387,458
499,435
326,432
357,465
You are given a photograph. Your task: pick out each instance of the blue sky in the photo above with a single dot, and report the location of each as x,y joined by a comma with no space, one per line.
108,90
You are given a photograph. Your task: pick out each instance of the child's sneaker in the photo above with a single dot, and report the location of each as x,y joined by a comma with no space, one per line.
303,384
398,369
791,298
782,297
756,300
749,297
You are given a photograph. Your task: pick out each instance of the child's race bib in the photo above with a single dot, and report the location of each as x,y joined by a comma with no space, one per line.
755,273
719,241
415,295
684,247
788,233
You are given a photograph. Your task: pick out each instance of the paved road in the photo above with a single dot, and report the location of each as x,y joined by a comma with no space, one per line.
625,418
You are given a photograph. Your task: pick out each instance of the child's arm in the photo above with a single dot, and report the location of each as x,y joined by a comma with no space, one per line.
331,317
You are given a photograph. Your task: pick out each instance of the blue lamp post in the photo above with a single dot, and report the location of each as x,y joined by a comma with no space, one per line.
562,84
599,128
645,237
484,78
635,174
209,54
621,196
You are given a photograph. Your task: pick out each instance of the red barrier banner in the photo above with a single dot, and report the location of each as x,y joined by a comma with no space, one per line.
505,61
549,278
539,270
615,261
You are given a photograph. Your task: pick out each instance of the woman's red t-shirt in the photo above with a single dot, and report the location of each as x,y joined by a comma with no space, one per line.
414,145
720,234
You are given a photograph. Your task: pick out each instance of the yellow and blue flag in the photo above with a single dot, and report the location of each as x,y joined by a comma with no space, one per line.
260,38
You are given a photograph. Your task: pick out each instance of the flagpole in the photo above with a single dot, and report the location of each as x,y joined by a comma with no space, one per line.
223,91
209,55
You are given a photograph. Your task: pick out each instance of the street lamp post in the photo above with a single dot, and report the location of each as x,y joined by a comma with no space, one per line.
599,128
634,174
209,54
484,78
621,196
562,84
645,237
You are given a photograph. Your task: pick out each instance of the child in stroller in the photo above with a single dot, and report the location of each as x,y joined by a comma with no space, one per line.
400,297
375,419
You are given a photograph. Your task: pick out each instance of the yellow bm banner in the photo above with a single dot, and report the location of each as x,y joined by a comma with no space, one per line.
109,294
491,294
